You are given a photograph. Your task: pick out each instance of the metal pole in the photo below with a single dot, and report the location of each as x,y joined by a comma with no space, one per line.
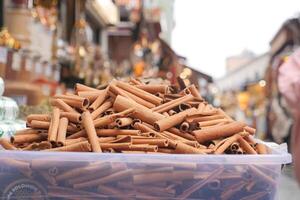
1,13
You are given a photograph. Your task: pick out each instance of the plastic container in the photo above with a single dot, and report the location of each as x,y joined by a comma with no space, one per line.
9,109
46,175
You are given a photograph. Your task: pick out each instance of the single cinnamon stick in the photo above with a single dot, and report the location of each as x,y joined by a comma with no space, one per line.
140,93
246,146
73,141
172,104
82,104
53,128
27,131
106,105
158,142
26,138
214,132
184,127
39,124
198,185
62,131
91,132
194,91
123,121
62,105
115,132
168,122
183,106
80,87
78,134
90,95
212,122
7,145
153,89
100,99
81,171
137,99
72,116
186,149
227,143
77,147
261,148
141,112
205,118
107,179
143,147
38,117
250,130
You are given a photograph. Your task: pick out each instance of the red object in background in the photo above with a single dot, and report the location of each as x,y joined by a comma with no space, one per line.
49,87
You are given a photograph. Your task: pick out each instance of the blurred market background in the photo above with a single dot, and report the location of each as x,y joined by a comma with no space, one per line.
231,50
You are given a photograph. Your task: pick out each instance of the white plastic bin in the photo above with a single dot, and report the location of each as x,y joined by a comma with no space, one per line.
58,175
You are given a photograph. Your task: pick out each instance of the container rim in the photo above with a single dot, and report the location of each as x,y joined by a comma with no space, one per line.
270,159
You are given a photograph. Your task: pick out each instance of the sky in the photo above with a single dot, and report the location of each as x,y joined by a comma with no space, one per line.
208,31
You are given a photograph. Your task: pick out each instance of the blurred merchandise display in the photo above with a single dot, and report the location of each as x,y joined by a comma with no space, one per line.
279,117
6,40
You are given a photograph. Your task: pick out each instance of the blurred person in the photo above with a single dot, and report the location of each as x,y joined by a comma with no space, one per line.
289,86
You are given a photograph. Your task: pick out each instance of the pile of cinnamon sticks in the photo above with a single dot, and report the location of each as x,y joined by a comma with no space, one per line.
134,117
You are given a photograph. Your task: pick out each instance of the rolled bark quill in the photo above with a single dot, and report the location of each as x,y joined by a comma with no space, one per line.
26,138
246,146
106,120
135,81
213,133
158,142
77,147
91,132
250,130
171,104
186,149
212,122
205,118
140,93
194,91
153,89
90,95
62,105
100,99
38,117
79,87
82,104
141,112
62,131
39,124
106,105
110,178
261,148
227,143
124,93
124,121
116,132
7,145
168,122
53,128
184,127
73,100
72,117
184,106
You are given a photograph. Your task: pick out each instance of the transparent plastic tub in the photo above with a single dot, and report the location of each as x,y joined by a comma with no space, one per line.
47,175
